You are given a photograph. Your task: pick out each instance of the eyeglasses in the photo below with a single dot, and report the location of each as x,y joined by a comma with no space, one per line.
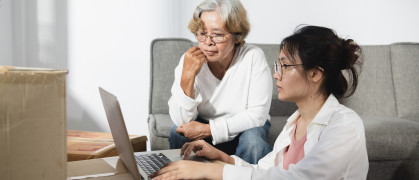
216,38
278,67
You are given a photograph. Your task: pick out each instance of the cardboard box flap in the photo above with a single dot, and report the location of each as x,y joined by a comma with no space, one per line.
31,69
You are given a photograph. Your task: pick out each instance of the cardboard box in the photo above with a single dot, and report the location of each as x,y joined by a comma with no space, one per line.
32,124
82,145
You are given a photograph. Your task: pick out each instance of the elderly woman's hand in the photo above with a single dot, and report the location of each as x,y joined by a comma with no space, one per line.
195,130
189,170
192,63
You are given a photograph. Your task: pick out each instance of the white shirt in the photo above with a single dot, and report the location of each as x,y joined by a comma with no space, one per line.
335,149
238,102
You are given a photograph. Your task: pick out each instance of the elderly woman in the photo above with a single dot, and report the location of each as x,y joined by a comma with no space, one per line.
222,89
323,139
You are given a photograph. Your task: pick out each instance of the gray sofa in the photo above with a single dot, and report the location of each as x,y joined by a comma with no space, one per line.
387,99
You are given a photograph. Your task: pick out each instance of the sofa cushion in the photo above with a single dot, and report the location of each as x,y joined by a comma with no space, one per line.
390,138
160,124
374,95
405,67
393,170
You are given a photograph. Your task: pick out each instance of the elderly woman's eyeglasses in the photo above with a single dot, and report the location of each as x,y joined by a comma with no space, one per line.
278,67
215,37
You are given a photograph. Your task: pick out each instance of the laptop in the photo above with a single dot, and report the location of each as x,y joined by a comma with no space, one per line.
140,164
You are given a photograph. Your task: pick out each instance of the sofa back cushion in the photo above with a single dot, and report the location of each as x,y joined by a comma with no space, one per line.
165,55
374,95
405,68
379,92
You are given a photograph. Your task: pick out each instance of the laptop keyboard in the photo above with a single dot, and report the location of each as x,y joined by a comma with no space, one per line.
151,163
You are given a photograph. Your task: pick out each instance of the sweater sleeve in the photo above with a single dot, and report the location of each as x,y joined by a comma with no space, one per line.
182,108
258,102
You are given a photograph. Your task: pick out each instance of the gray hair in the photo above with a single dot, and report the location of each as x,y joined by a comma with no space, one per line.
232,14
222,6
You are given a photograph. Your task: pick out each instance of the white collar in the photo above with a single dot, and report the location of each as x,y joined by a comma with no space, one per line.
323,116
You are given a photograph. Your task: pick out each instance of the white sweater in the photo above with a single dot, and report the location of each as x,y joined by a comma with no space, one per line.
240,101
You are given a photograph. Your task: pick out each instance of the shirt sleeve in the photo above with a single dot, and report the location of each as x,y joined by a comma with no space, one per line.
237,172
243,170
182,108
258,102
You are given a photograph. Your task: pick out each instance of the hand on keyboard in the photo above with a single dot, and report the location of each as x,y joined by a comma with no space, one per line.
151,163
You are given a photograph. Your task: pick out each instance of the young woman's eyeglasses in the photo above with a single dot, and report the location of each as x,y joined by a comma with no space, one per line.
278,67
215,37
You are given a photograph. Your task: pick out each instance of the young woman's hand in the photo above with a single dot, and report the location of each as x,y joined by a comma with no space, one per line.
189,170
202,148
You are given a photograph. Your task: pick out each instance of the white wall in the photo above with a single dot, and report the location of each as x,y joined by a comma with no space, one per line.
109,46
107,42
33,33
366,21
6,50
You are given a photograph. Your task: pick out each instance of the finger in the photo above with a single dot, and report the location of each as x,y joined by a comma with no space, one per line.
167,168
193,148
188,151
165,176
168,176
184,148
198,145
201,58
203,150
180,129
197,52
200,152
190,53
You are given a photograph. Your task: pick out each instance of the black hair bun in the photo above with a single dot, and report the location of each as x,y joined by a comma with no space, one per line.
350,53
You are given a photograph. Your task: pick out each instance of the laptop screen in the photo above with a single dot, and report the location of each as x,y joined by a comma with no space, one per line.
119,131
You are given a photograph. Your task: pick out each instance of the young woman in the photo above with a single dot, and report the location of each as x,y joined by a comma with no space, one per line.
322,140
